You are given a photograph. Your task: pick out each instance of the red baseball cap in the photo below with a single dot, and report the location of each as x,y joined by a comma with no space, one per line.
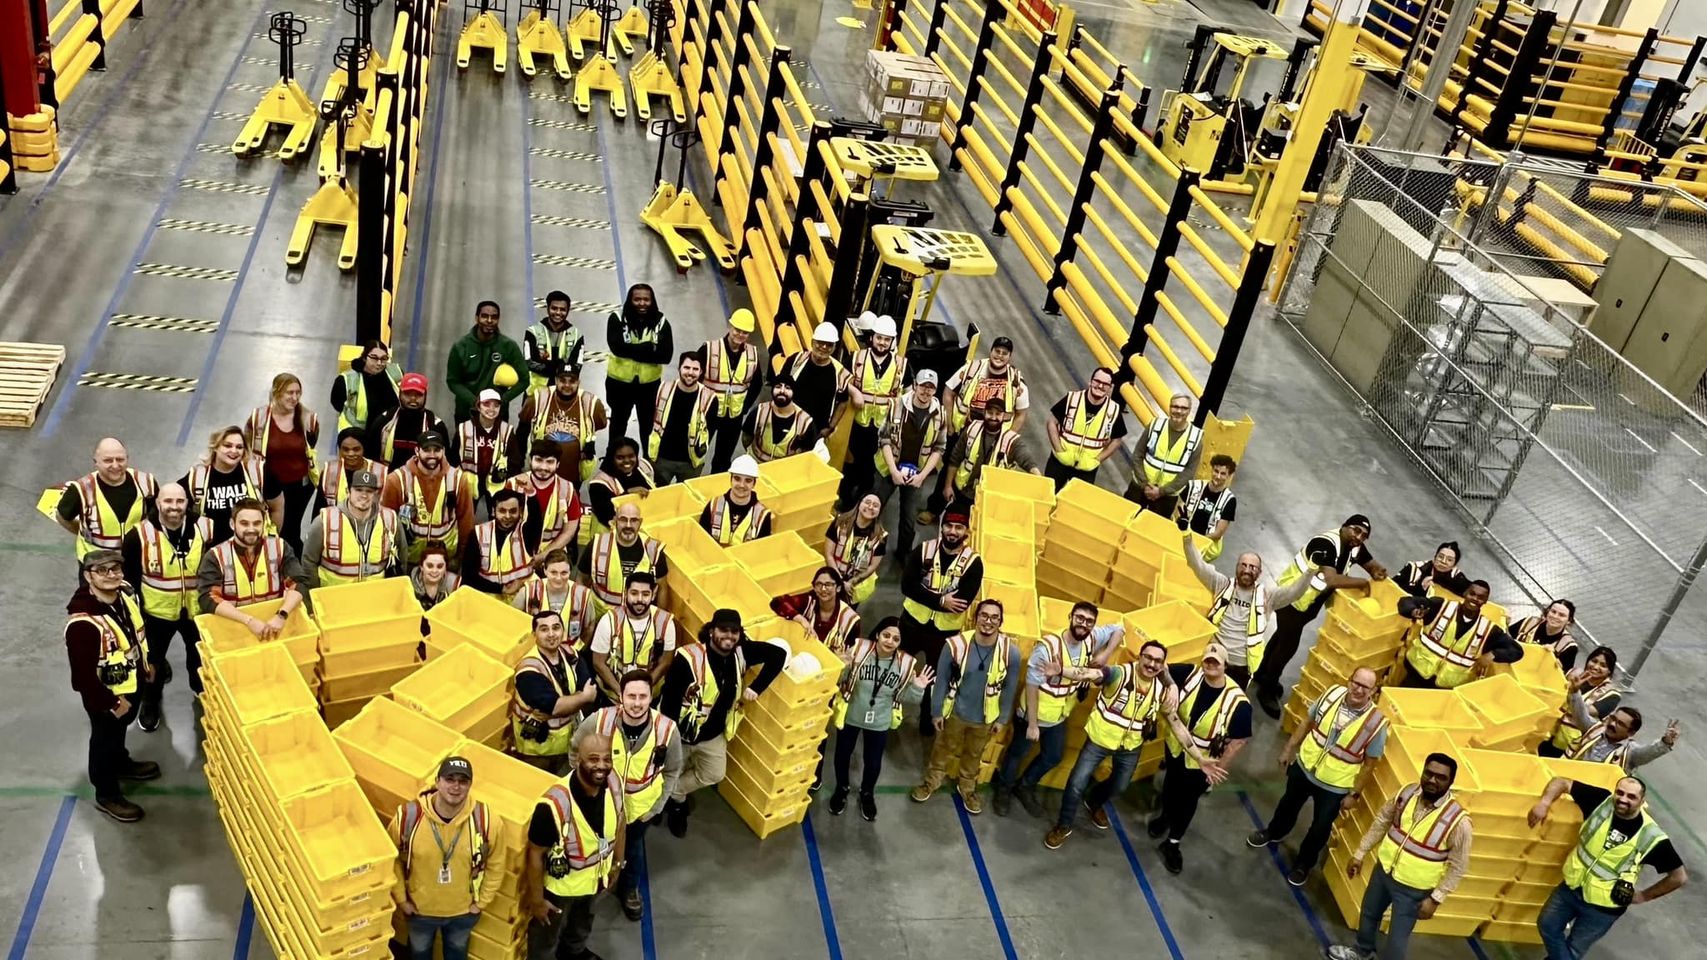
413,381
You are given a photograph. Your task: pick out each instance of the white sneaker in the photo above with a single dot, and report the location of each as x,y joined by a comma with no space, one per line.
1343,952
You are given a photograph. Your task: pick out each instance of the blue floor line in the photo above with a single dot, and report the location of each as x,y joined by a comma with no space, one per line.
984,880
51,425
44,873
422,250
1476,948
610,205
822,889
648,937
1298,897
245,929
1144,883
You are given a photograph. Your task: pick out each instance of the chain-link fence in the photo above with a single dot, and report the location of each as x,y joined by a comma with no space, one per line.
1584,473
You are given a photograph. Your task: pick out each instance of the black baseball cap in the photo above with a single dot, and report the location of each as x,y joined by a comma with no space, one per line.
456,767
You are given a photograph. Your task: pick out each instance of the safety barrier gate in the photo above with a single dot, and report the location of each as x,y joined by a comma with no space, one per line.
389,162
80,32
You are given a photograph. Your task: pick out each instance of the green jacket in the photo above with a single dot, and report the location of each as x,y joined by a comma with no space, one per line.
469,367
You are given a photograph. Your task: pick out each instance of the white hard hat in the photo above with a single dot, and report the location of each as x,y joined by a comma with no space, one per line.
864,321
744,466
826,333
882,326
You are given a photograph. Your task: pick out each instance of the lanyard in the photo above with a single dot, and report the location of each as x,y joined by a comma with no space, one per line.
446,851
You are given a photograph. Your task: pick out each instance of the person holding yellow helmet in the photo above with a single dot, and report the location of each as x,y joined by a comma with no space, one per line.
478,360
733,369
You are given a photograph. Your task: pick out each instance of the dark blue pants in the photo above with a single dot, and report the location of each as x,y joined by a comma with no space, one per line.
1051,745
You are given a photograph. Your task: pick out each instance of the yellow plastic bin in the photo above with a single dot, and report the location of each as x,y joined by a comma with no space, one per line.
1372,613
1085,508
780,564
757,817
293,754
1177,581
259,683
351,615
1006,482
1504,707
368,683
1508,783
1428,709
301,635
367,653
794,688
468,616
509,787
690,549
800,481
719,587
1174,624
714,485
339,844
459,689
672,502
394,747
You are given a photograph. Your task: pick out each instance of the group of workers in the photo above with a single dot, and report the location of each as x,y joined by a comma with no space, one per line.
635,718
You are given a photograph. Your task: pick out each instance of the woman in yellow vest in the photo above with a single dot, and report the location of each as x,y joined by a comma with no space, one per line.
854,545
367,393
108,653
1214,719
1424,837
576,849
1597,681
229,473
640,343
1551,628
877,679
1618,839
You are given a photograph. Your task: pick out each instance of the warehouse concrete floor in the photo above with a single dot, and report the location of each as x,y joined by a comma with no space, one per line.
143,142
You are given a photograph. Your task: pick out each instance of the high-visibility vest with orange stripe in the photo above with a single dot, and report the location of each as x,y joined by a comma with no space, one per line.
1125,713
254,483
436,520
556,508
335,481
1084,438
635,651
765,446
747,529
1215,720
1415,853
117,654
959,647
971,376
507,566
1445,653
604,568
102,528
342,559
1055,696
242,587
729,383
259,431
558,729
168,584
583,861
843,621
877,388
1336,762
640,769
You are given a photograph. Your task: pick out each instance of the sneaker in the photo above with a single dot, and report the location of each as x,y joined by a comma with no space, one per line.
1027,797
1099,817
148,716
1297,876
141,770
1269,700
1002,801
969,799
1258,839
632,906
120,809
921,793
1057,836
817,784
1342,952
676,816
839,802
868,806
1171,856
926,517
1157,827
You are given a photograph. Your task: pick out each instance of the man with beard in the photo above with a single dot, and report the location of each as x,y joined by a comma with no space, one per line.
108,653
703,693
737,516
634,636
1243,607
355,541
161,558
680,432
250,568
497,560
987,442
568,416
553,688
938,584
620,552
396,437
646,753
981,381
779,427
640,344
434,500
980,673
733,371
474,361
911,451
101,506
552,343
874,381
820,380
553,506
1085,428
575,850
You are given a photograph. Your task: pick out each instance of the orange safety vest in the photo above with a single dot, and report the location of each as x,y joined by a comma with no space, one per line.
1083,440
1448,660
841,634
604,570
259,430
168,584
730,385
436,521
243,588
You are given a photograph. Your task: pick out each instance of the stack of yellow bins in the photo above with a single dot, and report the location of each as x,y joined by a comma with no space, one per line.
465,690
804,498
482,621
394,751
775,748
1085,532
370,638
301,636
780,564
1358,629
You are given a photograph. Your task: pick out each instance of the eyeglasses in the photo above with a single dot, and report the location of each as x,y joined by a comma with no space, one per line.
1151,658
825,585
1082,618
380,357
108,570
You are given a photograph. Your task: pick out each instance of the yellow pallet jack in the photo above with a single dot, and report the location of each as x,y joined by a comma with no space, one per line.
485,30
537,36
285,105
590,27
674,211
334,204
369,76
651,75
597,73
634,27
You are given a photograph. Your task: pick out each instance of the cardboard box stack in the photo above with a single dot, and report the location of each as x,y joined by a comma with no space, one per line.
906,95
775,748
370,638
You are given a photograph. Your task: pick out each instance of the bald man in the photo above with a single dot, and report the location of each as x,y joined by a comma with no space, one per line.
559,893
100,507
161,557
1243,632
618,552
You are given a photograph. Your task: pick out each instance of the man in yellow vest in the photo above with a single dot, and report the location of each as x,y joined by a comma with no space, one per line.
821,384
633,635
938,584
980,672
498,560
680,430
622,551
1424,836
1085,428
646,755
1618,838
569,416
1325,764
555,589
356,541
434,499
734,372
640,343
1209,727
161,557
552,342
576,849
1455,642
1133,700
1167,454
987,442
101,506
553,687
908,457
448,874
252,567
1243,606
779,427
980,381
876,375
1612,740
108,652
737,516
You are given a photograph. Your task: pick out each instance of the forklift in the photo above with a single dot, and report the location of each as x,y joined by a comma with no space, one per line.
1211,130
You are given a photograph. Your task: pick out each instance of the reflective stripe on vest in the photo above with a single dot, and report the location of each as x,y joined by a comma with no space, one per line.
640,771
547,418
1566,733
1197,494
604,570
342,559
594,526
878,389
701,697
841,630
747,529
630,651
512,565
169,577
103,529
960,647
1445,655
699,434
635,371
551,345
1300,562
335,481
468,448
899,411
558,729
1336,762
852,551
437,521
1162,462
1414,853
355,410
557,505
1594,868
1121,715
260,431
1082,440
765,447
586,853
242,587
1054,696
1002,456
730,385
864,652
940,581
116,649
1593,737
1214,721
479,841
1258,622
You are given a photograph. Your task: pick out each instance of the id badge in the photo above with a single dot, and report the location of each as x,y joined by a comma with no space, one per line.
871,716
444,874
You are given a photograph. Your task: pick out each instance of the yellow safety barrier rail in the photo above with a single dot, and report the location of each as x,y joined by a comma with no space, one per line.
81,31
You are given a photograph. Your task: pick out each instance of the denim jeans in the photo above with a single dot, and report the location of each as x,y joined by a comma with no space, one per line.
634,849
455,930
1051,744
1384,891
1079,785
1569,924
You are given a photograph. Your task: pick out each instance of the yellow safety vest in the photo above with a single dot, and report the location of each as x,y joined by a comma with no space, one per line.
558,729
1414,853
468,448
942,581
640,771
1620,755
1336,762
583,861
765,448
1002,456
1055,697
409,818
971,376
853,552
581,421
335,480
552,345
864,652
436,520
1566,734
103,529
899,408
701,697
730,384
1301,562
1166,459
342,559
1083,439
878,389
507,567
634,371
118,656
242,587
631,651
575,609
699,435
747,529
169,577
1197,493
1215,720
841,631
1445,655
1595,867
592,525
260,430
1124,716
355,410
604,569
556,508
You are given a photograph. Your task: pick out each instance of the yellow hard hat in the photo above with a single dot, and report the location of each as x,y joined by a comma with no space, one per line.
742,320
504,376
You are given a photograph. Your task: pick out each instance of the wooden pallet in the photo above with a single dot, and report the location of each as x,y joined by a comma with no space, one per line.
27,371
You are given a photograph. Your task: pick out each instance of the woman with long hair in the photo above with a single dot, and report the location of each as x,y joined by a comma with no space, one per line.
1598,682
854,546
1551,628
227,474
283,435
876,680
640,343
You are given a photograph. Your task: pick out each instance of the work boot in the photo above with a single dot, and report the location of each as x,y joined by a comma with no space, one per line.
922,792
120,809
141,770
1099,817
1340,951
1002,801
1057,836
839,802
1258,839
148,715
1171,856
969,799
868,806
1027,797
632,906
676,817
1269,699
